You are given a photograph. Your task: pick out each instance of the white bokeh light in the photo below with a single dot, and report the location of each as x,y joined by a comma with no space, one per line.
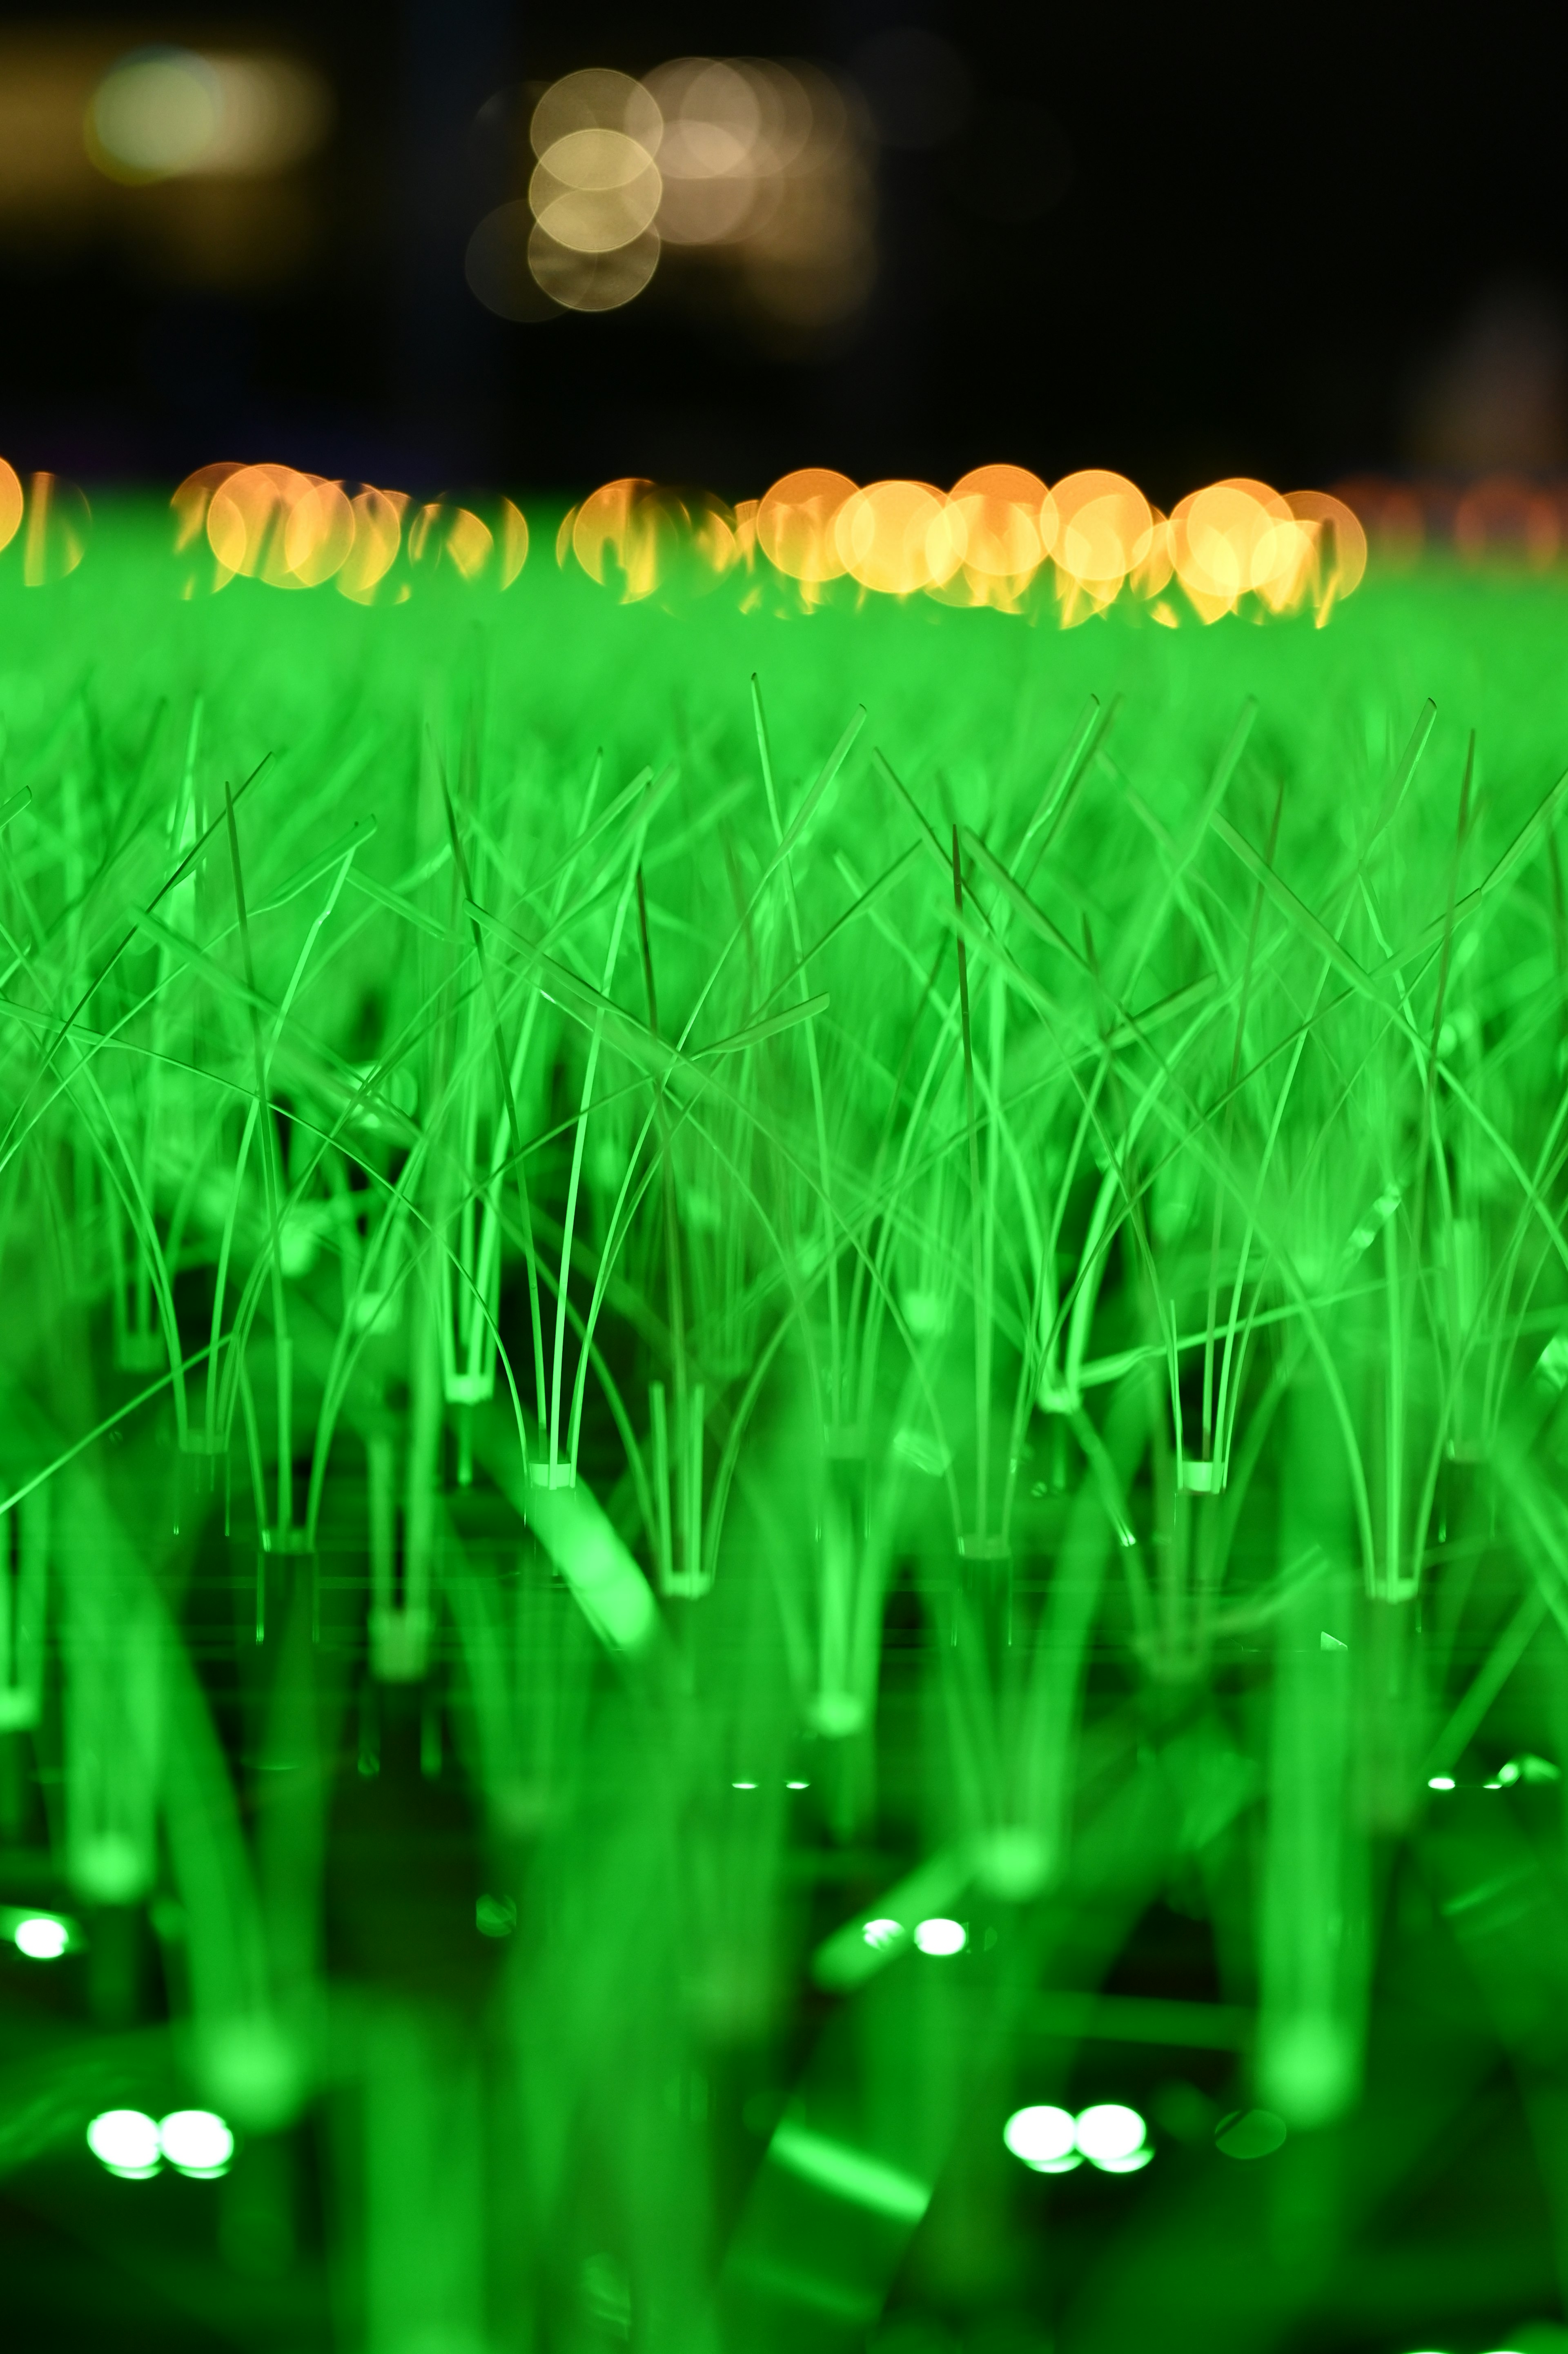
126,2142
1113,2137
1043,2137
42,1939
941,1936
196,2141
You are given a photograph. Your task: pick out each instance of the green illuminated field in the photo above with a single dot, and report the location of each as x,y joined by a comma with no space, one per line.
743,1430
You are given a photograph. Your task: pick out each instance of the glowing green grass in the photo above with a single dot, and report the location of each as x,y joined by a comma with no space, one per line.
688,1294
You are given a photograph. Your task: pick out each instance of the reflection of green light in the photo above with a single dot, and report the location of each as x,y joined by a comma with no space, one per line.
125,2141
851,2174
1250,2132
880,1935
42,1939
197,2142
1440,1782
495,1916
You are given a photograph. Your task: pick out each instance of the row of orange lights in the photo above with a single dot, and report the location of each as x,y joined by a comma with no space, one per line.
294,530
987,541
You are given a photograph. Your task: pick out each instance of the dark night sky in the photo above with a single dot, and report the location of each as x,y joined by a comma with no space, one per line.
1301,247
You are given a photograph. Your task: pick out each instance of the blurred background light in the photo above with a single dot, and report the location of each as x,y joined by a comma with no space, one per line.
795,520
42,1937
596,98
160,114
594,191
888,538
1113,2137
754,174
257,233
941,1936
1043,2137
197,2142
993,518
55,535
126,2142
1098,527
584,281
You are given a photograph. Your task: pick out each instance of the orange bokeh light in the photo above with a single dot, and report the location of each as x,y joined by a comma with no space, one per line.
10,502
318,534
1338,557
58,520
892,537
1097,527
620,527
992,524
1152,574
1503,516
645,532
440,534
248,519
795,523
512,531
1235,536
377,532
192,500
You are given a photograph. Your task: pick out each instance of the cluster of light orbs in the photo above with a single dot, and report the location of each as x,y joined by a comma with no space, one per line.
1050,2141
294,530
994,539
701,153
135,2145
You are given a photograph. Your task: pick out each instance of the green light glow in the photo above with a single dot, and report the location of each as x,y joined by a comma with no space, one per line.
849,2174
1250,2132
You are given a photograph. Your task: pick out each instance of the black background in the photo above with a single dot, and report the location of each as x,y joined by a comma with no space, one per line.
1301,245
